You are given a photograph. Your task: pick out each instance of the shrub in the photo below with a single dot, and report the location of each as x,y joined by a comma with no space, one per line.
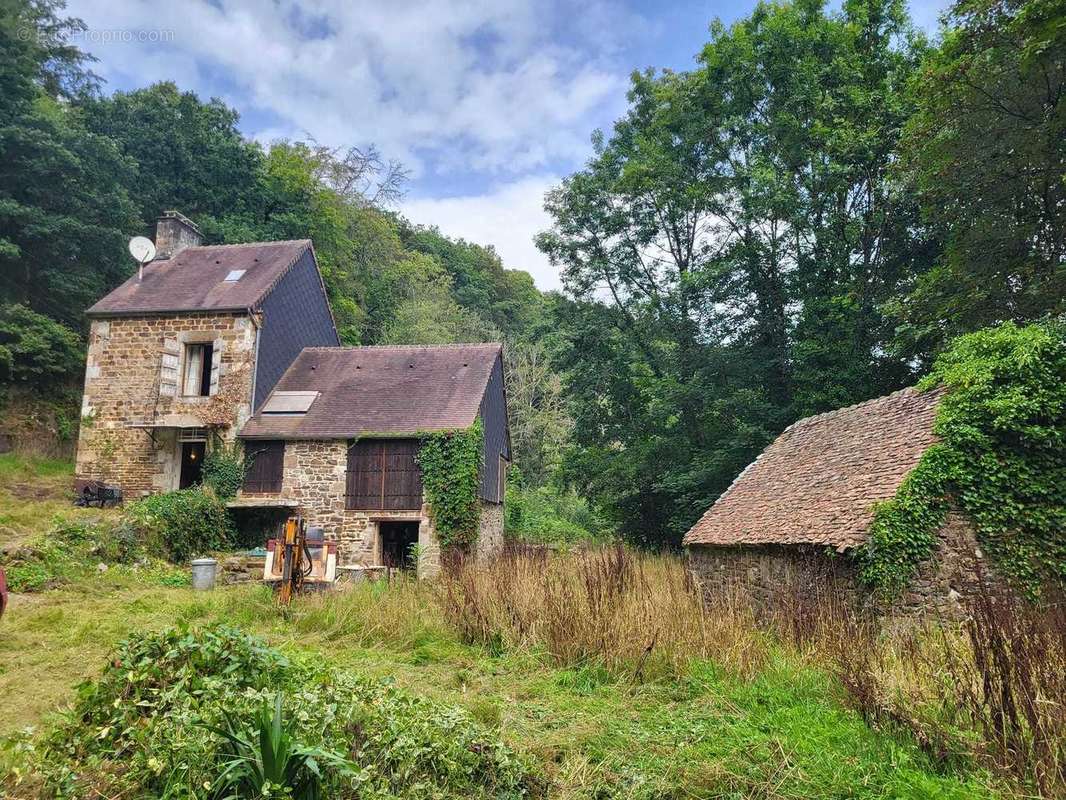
224,467
141,729
186,523
70,550
36,350
549,515
142,712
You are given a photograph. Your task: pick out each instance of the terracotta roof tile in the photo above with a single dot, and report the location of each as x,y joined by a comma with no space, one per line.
818,481
383,391
195,279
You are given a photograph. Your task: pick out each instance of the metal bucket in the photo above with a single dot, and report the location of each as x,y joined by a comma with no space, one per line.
203,574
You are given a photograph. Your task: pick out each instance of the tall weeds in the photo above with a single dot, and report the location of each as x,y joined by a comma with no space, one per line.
991,688
635,615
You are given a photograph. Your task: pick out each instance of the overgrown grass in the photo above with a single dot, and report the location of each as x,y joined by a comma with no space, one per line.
602,667
640,617
991,689
36,492
782,732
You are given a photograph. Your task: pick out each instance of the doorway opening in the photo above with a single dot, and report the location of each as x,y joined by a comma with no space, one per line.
397,544
192,464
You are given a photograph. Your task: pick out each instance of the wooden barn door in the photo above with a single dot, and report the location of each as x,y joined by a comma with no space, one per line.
363,479
383,475
403,478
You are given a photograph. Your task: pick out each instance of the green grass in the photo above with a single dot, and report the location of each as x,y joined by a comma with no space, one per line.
785,733
35,492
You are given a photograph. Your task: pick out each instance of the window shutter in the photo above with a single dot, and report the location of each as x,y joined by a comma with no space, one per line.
402,486
265,462
216,365
168,369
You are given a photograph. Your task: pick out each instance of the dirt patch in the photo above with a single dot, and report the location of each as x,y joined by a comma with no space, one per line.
32,491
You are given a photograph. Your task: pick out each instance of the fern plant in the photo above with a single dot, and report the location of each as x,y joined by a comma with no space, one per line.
264,762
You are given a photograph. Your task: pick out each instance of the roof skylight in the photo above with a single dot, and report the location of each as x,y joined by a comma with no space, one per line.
235,275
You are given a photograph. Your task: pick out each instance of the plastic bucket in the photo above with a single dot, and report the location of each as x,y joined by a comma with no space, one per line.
203,574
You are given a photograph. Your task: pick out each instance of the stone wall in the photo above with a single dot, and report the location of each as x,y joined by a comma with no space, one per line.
490,530
314,477
769,574
129,381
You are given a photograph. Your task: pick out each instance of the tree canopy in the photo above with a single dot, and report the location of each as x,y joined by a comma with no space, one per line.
802,221
796,225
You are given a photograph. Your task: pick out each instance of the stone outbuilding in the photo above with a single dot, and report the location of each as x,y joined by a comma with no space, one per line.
793,519
338,441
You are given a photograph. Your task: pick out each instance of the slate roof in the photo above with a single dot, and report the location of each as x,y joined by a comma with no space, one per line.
194,280
381,391
817,483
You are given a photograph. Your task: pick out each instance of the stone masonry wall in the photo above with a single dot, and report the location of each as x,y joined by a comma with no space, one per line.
314,477
490,530
124,386
768,574
772,573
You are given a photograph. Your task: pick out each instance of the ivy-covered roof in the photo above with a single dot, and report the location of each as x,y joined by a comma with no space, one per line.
818,482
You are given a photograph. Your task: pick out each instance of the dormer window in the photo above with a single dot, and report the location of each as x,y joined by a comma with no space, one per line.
196,381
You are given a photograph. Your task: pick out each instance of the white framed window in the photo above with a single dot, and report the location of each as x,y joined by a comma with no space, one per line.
196,375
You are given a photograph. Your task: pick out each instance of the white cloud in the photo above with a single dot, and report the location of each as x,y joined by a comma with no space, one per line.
507,217
444,86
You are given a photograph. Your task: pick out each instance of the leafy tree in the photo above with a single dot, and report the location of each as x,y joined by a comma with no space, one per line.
730,247
422,309
986,151
35,350
504,298
64,210
539,423
186,154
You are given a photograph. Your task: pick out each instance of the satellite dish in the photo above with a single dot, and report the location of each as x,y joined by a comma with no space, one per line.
142,249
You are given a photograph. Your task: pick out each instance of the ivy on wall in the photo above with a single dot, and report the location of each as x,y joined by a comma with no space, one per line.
224,467
1001,460
451,477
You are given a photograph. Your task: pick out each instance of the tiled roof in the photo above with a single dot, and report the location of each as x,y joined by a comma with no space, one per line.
195,279
383,391
819,480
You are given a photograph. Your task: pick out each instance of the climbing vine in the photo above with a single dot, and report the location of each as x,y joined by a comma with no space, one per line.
1001,459
451,477
224,467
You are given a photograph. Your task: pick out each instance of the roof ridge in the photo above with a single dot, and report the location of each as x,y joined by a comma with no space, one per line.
836,412
401,347
242,244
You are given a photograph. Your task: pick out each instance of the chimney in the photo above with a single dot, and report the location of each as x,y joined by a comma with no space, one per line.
173,233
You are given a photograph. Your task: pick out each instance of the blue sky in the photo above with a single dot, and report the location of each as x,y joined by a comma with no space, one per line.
487,102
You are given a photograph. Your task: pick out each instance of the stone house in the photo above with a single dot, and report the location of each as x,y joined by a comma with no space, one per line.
191,347
791,521
338,440
214,341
